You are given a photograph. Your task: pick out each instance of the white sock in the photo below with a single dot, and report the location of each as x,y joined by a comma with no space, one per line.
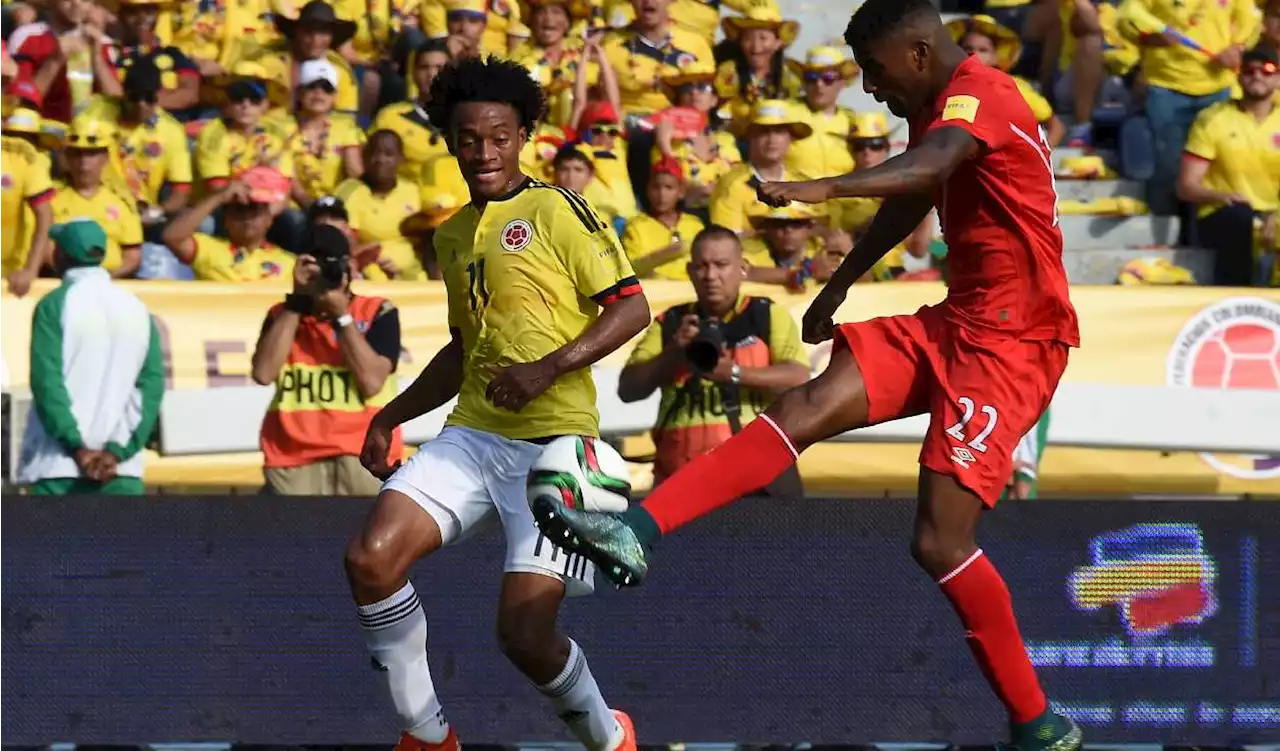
395,631
576,698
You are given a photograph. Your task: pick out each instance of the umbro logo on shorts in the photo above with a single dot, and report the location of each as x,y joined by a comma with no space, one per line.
962,456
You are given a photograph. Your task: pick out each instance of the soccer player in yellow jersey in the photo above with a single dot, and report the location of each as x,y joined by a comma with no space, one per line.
25,182
538,290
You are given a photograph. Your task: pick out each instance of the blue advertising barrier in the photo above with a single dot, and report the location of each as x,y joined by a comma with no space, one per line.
228,619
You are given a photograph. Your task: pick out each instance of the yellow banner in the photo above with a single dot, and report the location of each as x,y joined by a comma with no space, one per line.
1134,336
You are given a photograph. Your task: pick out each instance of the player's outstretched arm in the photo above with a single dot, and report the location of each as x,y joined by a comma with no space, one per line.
439,382
896,219
920,169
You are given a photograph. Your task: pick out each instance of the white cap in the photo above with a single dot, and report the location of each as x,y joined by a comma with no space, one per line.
313,71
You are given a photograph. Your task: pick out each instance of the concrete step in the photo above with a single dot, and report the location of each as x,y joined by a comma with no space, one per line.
1088,190
1101,232
1102,265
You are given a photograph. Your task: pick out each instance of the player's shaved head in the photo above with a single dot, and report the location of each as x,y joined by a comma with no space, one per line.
905,51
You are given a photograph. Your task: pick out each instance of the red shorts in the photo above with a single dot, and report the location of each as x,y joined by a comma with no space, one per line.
982,392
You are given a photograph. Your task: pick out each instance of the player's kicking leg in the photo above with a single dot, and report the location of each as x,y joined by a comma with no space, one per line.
830,404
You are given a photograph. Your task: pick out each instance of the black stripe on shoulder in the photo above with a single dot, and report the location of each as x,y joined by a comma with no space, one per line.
579,206
581,203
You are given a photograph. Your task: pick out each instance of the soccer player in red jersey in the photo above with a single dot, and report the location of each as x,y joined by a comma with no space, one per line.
983,364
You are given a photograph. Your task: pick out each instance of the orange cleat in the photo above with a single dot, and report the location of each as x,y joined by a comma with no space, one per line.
450,743
628,731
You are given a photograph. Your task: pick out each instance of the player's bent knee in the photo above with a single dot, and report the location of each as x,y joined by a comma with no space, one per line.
940,552
526,641
396,534
830,404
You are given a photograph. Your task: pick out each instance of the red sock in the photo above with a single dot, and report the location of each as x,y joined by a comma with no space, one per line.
982,600
745,463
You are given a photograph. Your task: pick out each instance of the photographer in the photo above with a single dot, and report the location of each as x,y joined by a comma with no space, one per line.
719,360
331,355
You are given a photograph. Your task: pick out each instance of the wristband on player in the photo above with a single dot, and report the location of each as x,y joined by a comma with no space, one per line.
296,303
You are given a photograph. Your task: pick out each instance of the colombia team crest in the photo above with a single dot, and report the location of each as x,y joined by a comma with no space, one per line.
516,236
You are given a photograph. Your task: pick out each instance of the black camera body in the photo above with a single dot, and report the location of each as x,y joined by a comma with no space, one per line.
333,271
704,351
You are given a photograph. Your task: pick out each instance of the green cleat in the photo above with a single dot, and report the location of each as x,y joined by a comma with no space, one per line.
1049,732
604,539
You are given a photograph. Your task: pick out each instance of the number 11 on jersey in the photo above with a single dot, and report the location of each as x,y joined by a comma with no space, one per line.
476,287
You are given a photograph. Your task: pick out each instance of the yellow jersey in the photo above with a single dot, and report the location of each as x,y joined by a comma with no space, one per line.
501,17
617,198
377,218
734,201
524,278
114,212
852,214
148,155
1038,104
1214,24
737,100
700,173
219,31
318,164
826,152
645,236
222,153
556,78
640,64
1243,154
421,140
217,260
24,181
444,189
282,69
377,22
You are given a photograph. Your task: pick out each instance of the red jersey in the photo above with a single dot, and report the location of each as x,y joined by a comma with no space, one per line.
999,213
32,45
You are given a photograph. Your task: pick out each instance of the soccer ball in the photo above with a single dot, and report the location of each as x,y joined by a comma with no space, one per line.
583,473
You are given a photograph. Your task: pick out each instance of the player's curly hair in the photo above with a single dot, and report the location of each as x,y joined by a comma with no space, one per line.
876,18
485,79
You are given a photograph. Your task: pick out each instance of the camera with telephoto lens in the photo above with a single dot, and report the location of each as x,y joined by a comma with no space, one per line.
704,351
332,251
333,271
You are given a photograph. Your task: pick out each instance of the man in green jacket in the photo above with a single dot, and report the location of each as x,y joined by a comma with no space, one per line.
97,376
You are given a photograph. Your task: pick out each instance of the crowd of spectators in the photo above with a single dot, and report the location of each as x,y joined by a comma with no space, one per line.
1185,91
204,136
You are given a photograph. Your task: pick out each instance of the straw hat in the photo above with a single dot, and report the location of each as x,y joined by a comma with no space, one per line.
779,112
700,71
762,14
90,134
868,125
792,212
826,57
1008,45
577,9
26,121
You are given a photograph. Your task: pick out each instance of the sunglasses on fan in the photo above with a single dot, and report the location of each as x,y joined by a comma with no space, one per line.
825,76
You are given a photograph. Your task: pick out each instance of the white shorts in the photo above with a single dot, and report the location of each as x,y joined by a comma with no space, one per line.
463,476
